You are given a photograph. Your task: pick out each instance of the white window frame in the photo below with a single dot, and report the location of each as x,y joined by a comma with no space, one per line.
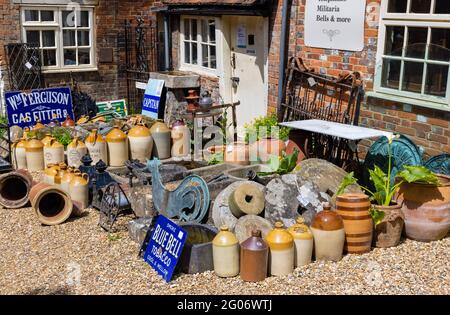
412,20
199,68
57,26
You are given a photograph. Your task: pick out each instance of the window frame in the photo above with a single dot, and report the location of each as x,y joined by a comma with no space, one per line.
426,20
57,27
199,68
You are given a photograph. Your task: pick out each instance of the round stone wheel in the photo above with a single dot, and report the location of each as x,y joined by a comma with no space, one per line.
248,223
246,199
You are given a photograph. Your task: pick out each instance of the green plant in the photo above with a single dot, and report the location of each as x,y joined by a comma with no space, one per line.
215,158
282,165
3,121
265,127
113,237
62,135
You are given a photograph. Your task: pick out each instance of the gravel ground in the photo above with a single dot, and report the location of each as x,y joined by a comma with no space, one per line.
38,259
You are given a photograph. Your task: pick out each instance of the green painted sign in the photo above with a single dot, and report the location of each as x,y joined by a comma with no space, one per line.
118,107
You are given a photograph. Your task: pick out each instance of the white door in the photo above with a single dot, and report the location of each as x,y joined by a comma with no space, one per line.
247,75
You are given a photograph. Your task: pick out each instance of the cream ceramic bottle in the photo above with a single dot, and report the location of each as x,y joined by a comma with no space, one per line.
141,143
225,253
19,157
96,146
303,241
75,151
34,150
117,144
161,137
79,190
53,152
281,251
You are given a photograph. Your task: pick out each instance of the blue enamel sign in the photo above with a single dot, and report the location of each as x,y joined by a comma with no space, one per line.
165,246
25,109
152,98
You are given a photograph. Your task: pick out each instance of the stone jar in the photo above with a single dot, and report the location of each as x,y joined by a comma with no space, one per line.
47,138
161,136
181,139
68,122
34,151
254,258
97,147
38,125
281,254
141,143
19,157
225,253
329,235
117,144
51,174
75,151
303,240
66,178
79,190
53,152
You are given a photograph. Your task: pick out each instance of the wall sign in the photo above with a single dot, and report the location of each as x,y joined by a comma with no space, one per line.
152,98
24,109
165,246
241,36
335,24
119,106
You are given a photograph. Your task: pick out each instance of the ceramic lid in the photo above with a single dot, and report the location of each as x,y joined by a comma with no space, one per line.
254,242
34,143
140,130
53,143
159,127
94,136
327,220
76,142
300,230
116,135
225,237
279,238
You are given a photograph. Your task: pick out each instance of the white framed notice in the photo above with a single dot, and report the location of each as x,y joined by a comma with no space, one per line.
335,24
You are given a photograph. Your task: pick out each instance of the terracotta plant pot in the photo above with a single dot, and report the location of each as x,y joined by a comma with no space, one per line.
426,209
264,148
389,231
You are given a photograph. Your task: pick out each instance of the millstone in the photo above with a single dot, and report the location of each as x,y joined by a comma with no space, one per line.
246,224
246,199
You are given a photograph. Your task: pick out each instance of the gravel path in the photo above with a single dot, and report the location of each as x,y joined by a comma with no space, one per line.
38,259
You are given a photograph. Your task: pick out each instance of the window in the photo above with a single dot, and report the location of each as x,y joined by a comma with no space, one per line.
65,37
198,43
414,50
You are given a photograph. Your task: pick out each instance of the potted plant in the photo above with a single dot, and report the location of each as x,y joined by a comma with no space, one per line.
386,212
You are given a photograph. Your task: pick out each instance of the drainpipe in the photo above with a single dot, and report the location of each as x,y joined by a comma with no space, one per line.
166,43
282,63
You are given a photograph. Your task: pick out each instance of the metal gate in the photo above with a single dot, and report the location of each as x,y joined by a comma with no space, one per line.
141,47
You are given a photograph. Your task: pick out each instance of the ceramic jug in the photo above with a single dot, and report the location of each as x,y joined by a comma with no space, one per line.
303,241
34,150
254,258
79,189
225,253
19,157
141,142
38,125
161,140
50,174
68,122
53,152
75,151
281,251
329,235
96,146
181,139
47,138
117,144
67,178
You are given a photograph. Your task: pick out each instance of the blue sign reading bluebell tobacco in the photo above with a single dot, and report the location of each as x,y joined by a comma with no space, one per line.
165,246
25,109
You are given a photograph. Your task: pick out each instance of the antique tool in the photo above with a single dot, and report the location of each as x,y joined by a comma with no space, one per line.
189,201
114,202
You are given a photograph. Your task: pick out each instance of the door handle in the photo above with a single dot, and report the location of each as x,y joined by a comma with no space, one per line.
235,81
233,61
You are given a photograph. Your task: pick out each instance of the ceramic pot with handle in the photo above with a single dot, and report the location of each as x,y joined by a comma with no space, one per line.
141,142
117,147
19,157
75,151
67,178
79,190
97,147
53,152
303,241
34,150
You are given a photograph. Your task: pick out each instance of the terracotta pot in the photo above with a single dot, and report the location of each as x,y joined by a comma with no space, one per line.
68,122
237,153
358,224
263,149
389,231
291,146
426,209
254,258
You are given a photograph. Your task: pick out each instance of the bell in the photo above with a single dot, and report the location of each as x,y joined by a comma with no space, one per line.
205,101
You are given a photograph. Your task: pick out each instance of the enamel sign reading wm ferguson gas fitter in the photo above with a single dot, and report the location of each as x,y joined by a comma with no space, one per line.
335,24
25,109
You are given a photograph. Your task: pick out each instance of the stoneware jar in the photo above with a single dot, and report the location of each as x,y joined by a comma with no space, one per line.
329,235
53,152
116,140
281,251
181,139
35,155
225,253
38,125
75,151
47,138
96,146
254,258
303,240
79,190
67,178
50,174
68,122
19,157
141,143
161,136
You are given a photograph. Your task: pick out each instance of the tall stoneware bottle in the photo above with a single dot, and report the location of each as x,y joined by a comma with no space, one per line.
19,157
303,240
67,178
141,143
116,141
329,235
35,155
53,152
96,146
225,248
254,258
281,251
50,172
75,151
161,138
181,139
79,190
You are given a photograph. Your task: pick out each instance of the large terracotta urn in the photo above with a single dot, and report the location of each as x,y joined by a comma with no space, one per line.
388,232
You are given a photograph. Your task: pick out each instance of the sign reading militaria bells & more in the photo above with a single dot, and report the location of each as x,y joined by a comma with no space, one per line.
335,24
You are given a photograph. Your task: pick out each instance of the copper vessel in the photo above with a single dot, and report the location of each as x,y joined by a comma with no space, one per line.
254,258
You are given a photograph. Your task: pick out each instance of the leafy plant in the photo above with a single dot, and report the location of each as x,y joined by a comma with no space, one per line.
113,237
215,158
282,165
348,180
62,135
265,127
377,215
3,121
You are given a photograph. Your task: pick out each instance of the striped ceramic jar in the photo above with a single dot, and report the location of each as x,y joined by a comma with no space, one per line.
358,224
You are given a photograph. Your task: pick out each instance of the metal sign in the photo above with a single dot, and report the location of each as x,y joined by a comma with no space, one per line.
165,247
152,98
25,109
335,24
118,106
